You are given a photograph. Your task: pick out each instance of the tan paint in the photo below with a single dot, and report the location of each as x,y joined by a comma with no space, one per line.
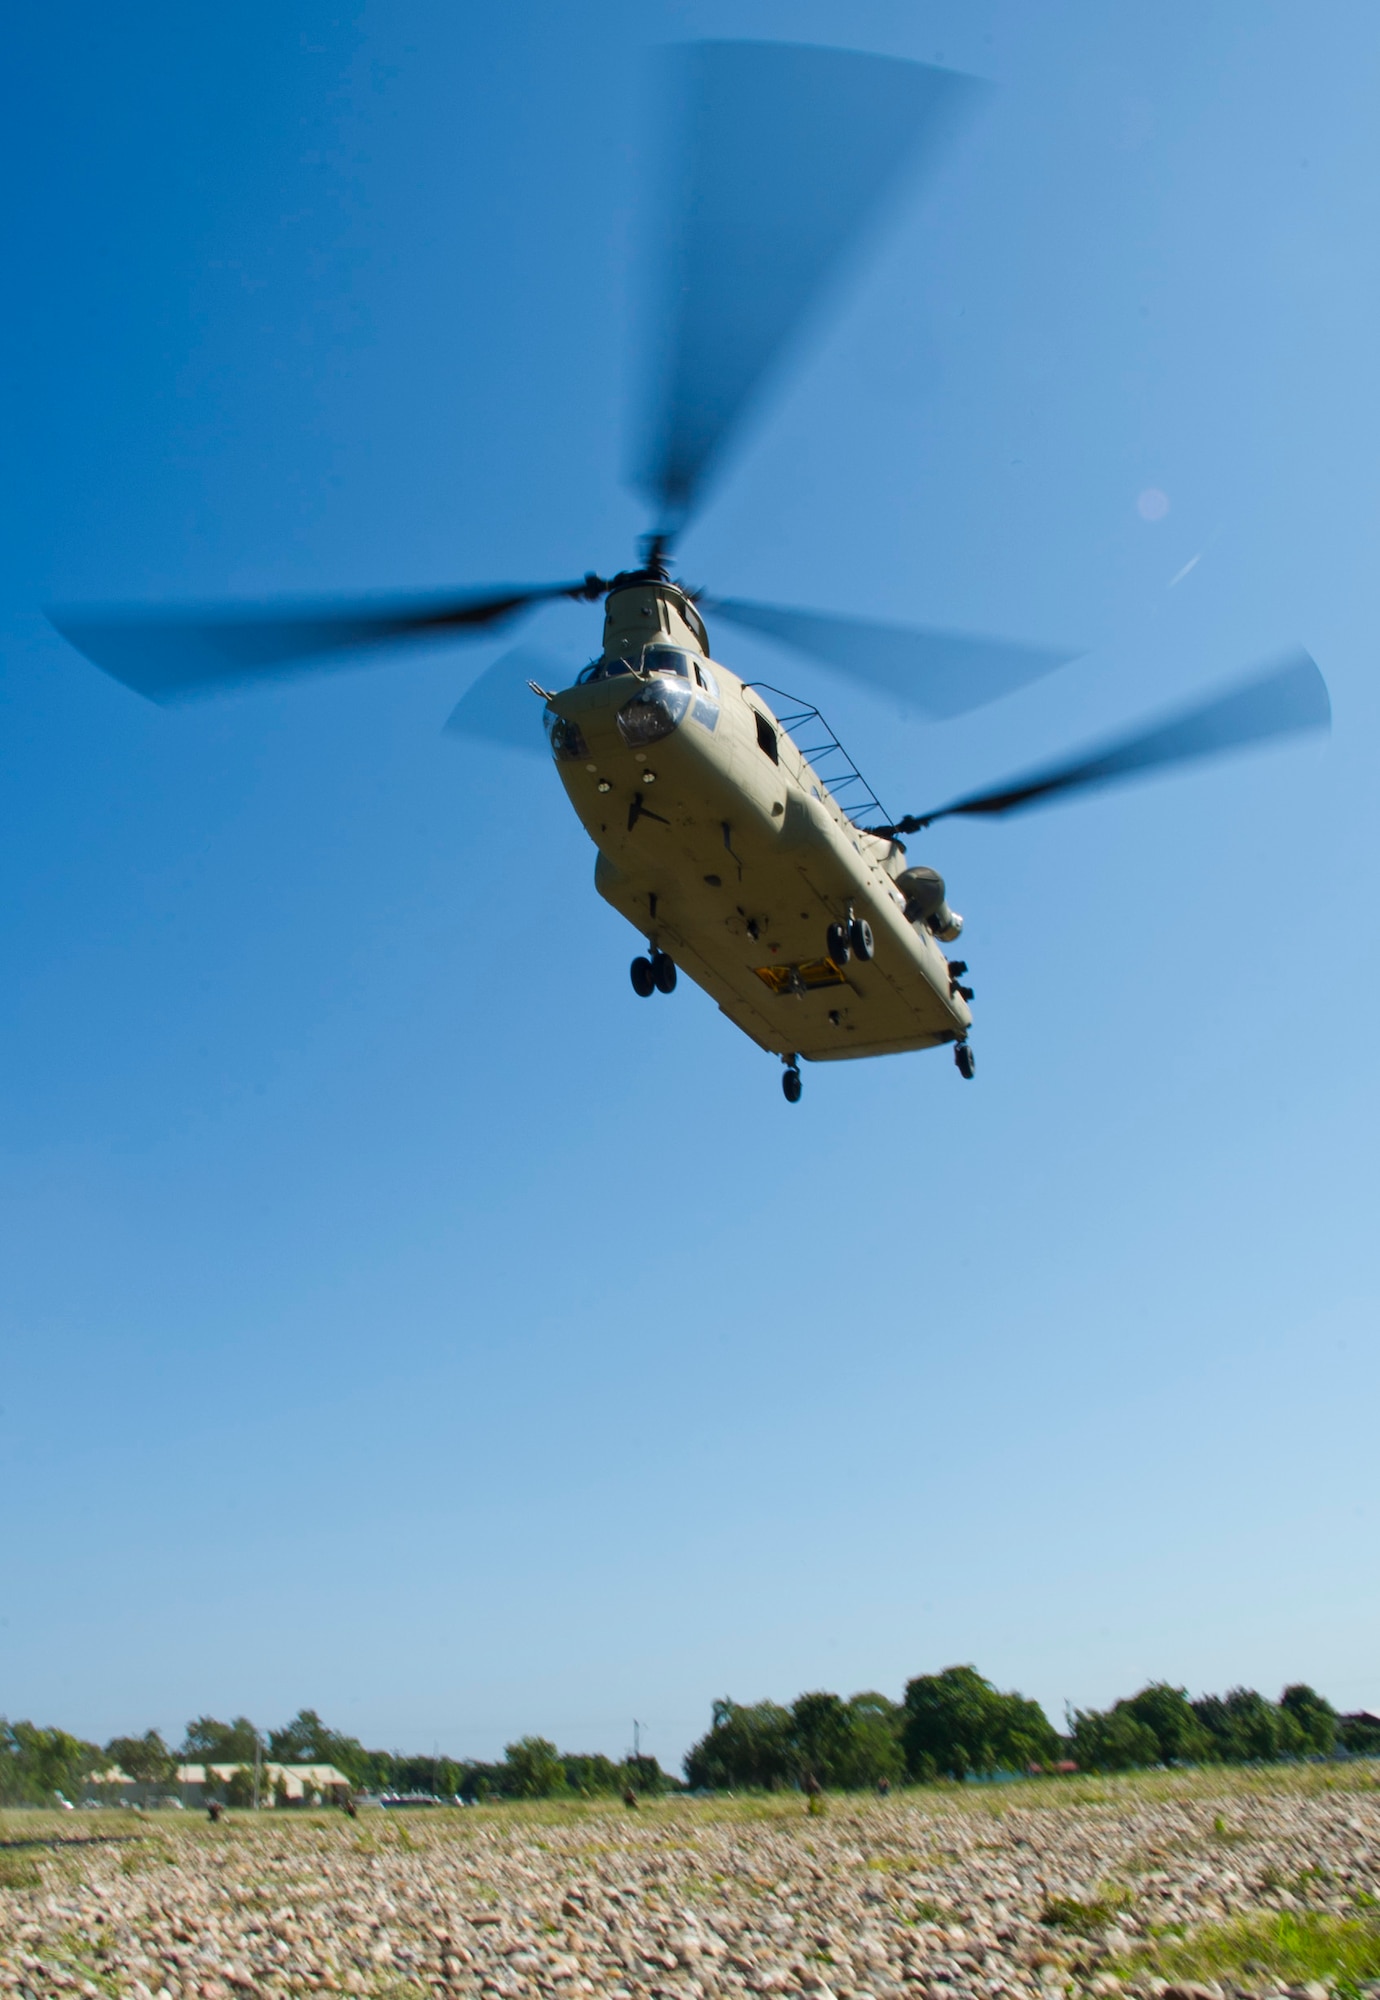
788,861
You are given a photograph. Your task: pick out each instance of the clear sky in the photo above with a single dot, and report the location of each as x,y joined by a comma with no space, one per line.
398,1316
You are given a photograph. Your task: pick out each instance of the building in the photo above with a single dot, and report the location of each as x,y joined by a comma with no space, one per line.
199,1784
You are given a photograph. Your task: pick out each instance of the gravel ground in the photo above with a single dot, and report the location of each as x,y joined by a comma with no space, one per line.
929,1893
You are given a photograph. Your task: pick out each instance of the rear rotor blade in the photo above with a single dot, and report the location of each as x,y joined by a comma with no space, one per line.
940,674
174,654
501,707
787,154
1287,699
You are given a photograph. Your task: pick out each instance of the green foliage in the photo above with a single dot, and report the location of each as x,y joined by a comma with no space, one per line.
536,1768
145,1758
1268,1949
1317,1718
19,1871
1112,1740
1161,1726
307,1740
1360,1734
748,1744
239,1790
36,1765
956,1724
1167,1713
210,1742
1063,1913
1247,1729
820,1739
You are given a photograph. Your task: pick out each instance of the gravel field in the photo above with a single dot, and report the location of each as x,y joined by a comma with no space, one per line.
1027,1889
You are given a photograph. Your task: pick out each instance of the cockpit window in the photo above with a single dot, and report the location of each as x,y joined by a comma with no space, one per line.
604,670
666,660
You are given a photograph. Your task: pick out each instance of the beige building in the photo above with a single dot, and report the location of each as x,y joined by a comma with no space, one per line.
198,1784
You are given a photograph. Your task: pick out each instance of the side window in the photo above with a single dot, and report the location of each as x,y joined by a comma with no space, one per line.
766,736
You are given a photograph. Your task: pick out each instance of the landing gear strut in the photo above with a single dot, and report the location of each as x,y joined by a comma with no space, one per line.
790,1082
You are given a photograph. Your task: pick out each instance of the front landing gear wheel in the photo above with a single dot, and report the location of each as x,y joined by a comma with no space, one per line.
643,978
663,972
860,937
963,1056
790,1083
836,944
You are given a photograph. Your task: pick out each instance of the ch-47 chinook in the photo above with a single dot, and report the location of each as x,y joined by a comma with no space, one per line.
733,831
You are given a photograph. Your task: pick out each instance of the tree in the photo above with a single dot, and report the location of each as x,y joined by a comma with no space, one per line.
1114,1739
536,1768
876,1741
1317,1719
210,1742
307,1740
239,1787
956,1723
1180,1737
822,1738
1360,1733
747,1744
1247,1729
38,1765
147,1758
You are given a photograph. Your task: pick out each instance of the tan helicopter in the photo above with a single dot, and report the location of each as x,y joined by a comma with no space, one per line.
733,831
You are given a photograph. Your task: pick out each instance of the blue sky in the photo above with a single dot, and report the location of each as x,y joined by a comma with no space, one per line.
398,1316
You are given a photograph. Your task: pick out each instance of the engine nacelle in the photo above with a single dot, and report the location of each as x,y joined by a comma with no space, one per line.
923,889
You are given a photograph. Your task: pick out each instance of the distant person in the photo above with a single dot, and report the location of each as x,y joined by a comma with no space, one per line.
630,1799
883,1788
213,1811
351,1809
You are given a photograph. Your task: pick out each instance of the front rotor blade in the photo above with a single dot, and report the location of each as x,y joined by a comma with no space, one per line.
501,707
1291,697
786,154
171,655
940,674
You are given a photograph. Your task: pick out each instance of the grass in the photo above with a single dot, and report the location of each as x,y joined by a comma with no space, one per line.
1063,1913
1286,1947
19,1871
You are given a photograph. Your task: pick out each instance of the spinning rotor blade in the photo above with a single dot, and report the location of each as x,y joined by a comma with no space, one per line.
787,154
171,655
1289,698
501,708
939,673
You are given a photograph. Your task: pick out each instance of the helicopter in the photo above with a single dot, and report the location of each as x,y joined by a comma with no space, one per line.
733,830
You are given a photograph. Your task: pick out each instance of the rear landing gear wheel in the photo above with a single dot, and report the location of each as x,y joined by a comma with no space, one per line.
643,978
836,943
860,937
963,1056
790,1083
663,972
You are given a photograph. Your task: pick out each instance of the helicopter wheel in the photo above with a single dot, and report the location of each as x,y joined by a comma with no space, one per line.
836,943
791,1084
860,937
643,977
963,1056
663,972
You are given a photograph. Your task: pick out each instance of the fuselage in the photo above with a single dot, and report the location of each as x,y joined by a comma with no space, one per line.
723,847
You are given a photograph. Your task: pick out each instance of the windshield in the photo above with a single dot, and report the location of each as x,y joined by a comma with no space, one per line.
666,660
604,670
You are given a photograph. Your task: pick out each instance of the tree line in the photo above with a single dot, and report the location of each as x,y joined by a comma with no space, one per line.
957,1725
38,1766
949,1725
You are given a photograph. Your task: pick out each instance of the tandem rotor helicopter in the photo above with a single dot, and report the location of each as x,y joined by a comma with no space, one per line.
733,831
